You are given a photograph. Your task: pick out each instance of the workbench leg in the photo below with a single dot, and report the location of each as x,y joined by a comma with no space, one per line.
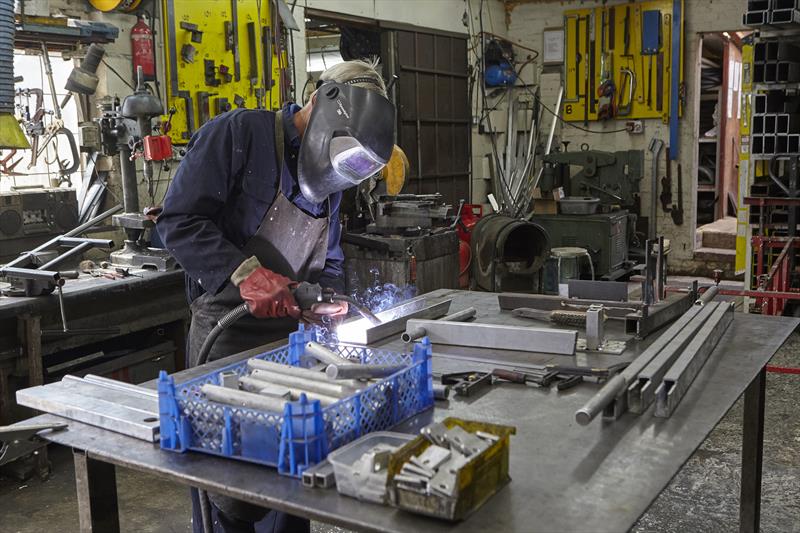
96,483
29,333
752,454
5,398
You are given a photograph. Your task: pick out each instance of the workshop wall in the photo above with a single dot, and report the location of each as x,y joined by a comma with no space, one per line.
443,15
526,23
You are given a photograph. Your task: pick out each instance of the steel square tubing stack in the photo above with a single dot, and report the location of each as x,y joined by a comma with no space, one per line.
642,391
684,370
611,399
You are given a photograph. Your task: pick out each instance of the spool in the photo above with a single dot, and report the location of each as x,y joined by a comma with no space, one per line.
563,265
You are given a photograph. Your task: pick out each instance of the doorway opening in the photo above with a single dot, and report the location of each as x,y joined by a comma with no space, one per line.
716,171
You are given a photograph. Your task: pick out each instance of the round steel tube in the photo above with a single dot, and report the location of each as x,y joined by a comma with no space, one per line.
356,371
256,385
240,398
604,396
709,294
295,371
458,316
336,390
322,354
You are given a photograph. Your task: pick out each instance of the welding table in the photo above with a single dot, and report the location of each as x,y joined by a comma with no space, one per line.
565,477
131,304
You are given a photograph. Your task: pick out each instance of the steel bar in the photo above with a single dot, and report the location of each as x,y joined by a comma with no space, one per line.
497,337
106,414
31,273
336,390
239,398
393,321
71,233
679,377
642,390
708,295
295,371
611,397
251,384
356,371
458,316
658,315
72,252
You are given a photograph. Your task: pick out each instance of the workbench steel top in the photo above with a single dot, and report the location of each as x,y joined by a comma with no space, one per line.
565,477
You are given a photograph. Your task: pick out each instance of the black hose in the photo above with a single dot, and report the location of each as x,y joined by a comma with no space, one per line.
223,324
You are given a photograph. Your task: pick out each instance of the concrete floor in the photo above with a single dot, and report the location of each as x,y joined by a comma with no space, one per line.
703,496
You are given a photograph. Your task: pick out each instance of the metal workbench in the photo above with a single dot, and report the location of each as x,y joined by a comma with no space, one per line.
566,477
136,303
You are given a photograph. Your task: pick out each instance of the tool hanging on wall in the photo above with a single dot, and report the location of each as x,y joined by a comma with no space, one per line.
651,45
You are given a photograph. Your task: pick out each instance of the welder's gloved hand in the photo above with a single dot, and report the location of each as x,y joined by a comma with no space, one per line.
336,311
267,294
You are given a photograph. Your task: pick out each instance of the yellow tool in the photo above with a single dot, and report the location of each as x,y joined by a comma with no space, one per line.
395,171
125,6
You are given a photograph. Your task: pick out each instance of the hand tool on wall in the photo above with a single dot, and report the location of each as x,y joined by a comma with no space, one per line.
626,75
266,46
655,149
189,110
237,73
578,58
677,210
650,46
253,52
592,61
660,81
666,184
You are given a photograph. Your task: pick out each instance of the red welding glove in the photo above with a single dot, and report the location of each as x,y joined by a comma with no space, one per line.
267,294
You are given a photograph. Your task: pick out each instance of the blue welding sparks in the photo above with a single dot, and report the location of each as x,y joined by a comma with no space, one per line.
381,296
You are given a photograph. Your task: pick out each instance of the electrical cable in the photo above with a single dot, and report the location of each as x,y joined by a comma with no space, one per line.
112,69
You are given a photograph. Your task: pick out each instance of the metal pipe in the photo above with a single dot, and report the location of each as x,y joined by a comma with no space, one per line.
708,295
72,233
240,398
356,371
254,385
458,316
72,252
552,133
30,273
322,354
336,390
613,388
296,371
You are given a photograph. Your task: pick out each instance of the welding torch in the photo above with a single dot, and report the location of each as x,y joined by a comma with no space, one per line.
305,294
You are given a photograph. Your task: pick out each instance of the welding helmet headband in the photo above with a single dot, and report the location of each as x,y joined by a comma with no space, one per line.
349,138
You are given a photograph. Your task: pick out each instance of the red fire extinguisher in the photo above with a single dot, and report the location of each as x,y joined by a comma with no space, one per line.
142,50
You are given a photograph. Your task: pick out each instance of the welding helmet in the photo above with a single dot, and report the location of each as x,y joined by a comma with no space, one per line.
349,138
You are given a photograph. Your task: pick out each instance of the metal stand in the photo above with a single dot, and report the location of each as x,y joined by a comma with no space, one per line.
752,454
96,484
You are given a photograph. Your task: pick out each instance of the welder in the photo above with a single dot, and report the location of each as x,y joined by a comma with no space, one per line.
253,210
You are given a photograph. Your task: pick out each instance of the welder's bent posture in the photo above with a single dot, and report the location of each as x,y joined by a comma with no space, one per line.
253,209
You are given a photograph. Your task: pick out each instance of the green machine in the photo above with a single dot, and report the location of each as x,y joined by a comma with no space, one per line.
601,206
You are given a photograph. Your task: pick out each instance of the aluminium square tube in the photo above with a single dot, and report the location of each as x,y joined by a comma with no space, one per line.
458,316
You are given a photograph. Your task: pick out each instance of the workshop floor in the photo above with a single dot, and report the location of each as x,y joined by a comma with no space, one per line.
703,496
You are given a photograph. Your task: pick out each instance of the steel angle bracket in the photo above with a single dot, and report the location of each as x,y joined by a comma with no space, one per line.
680,376
498,337
642,391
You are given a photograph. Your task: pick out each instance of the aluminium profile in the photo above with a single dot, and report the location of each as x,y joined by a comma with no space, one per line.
685,369
497,336
393,321
641,392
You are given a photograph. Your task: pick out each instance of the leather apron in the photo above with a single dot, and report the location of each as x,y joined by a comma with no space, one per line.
288,241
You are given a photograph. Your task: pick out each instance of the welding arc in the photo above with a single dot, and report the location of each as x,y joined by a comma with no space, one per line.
363,311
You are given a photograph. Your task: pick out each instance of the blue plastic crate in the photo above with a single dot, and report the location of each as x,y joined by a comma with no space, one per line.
305,432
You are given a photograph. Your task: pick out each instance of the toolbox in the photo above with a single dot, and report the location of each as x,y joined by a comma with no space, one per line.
477,481
305,432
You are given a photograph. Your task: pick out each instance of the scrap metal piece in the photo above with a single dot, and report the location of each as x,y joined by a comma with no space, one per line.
434,456
595,330
393,321
642,391
680,376
497,337
357,371
435,433
319,475
465,442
